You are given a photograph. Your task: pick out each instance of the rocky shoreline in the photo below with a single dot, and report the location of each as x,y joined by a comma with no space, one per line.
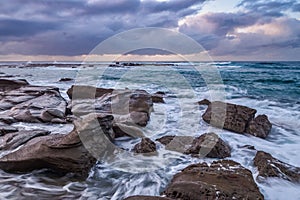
101,115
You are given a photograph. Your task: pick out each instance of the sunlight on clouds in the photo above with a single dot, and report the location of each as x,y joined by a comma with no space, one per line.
272,29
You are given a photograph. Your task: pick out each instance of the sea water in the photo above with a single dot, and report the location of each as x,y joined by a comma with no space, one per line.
272,88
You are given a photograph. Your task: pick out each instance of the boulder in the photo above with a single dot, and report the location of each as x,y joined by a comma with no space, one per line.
204,102
268,166
260,126
61,153
131,107
27,103
224,179
145,146
140,197
158,97
208,144
228,116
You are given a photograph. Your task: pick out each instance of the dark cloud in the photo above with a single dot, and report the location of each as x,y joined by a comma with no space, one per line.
269,8
18,28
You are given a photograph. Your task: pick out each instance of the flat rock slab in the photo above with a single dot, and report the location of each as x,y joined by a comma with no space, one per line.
207,145
268,166
23,102
236,118
58,152
223,179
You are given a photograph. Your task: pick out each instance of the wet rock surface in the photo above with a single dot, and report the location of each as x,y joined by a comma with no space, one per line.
236,118
260,126
131,108
207,145
268,166
61,153
145,146
139,197
27,103
223,179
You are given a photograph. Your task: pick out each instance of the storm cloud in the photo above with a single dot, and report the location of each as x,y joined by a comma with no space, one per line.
70,28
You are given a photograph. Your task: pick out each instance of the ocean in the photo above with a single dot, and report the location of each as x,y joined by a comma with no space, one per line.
272,88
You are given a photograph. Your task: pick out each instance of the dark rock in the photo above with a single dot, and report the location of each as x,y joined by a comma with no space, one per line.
260,126
176,143
228,116
122,130
13,140
145,146
23,102
65,79
86,92
158,97
59,152
4,129
209,145
139,197
204,102
166,139
223,179
247,146
269,166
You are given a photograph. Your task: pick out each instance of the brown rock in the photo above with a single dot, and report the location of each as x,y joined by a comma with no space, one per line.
158,97
59,152
204,102
209,145
145,146
223,179
128,106
260,126
23,102
228,116
140,197
13,140
269,166
4,129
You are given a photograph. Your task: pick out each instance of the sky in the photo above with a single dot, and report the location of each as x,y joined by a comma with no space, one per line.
226,29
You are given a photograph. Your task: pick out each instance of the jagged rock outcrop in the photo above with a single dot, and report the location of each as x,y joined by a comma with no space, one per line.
224,179
268,166
208,144
236,118
23,102
260,126
145,146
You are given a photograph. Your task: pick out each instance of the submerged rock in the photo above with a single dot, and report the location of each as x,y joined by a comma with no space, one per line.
223,179
61,153
28,103
208,144
260,126
268,166
145,146
236,118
